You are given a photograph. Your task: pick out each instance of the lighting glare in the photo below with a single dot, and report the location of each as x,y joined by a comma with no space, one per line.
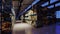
45,4
51,6
57,14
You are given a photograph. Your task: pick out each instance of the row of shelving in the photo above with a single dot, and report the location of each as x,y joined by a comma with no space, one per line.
0,14
6,21
47,18
7,5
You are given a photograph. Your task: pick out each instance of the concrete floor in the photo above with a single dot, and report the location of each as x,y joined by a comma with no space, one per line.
45,30
51,29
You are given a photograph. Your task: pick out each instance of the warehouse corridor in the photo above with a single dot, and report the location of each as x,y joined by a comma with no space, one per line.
29,16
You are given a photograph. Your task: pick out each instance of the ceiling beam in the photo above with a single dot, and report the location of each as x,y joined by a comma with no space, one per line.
53,3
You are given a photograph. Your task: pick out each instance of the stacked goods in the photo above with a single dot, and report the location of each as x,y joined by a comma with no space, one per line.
6,21
6,27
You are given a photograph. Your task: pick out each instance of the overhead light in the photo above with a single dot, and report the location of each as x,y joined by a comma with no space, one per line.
52,1
52,6
45,4
58,4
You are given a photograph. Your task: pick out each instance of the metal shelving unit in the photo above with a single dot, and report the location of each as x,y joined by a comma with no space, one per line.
6,10
0,14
